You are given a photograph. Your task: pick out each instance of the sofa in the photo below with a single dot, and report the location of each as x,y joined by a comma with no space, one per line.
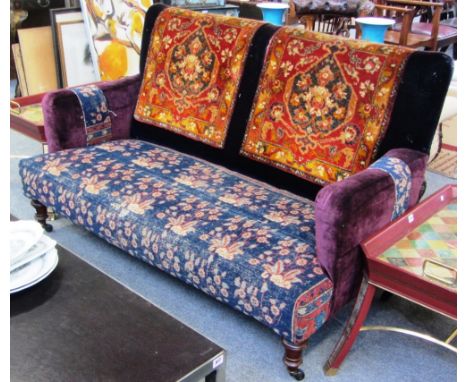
246,160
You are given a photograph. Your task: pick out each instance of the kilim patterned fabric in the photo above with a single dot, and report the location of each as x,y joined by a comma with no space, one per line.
192,74
244,243
96,114
323,104
435,239
401,176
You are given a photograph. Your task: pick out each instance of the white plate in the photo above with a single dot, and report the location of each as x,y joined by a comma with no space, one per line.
23,235
44,245
33,272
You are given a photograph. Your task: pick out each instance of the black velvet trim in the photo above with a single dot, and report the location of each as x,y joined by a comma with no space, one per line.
151,15
418,104
419,101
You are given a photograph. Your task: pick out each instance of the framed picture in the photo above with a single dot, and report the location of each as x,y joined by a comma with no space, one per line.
72,49
115,30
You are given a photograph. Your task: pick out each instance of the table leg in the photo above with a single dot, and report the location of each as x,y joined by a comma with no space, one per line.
351,330
211,377
451,337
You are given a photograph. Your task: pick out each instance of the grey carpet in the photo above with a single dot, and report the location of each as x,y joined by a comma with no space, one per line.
254,353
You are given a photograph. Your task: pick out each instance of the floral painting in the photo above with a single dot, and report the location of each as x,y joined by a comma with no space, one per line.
115,29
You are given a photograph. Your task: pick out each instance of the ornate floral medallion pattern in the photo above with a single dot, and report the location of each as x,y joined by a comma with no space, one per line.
193,71
246,244
323,104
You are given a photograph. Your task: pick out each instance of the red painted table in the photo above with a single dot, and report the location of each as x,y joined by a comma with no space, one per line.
413,257
27,118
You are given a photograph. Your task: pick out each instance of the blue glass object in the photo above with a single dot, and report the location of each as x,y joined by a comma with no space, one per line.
273,12
373,28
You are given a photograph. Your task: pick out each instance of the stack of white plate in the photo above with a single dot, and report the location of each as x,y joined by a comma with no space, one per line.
33,255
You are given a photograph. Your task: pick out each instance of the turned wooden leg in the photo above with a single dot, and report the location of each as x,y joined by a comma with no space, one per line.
41,215
293,358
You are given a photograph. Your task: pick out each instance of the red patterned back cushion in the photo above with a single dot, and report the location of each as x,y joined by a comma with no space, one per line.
193,70
323,104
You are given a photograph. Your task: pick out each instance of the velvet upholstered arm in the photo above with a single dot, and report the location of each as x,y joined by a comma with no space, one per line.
63,117
348,212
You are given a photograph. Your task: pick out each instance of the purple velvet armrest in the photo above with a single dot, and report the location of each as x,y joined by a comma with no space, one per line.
63,118
348,212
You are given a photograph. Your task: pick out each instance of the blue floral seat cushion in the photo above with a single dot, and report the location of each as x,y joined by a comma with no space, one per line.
243,242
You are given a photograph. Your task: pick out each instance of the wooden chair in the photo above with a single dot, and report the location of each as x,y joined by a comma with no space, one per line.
448,18
330,24
323,21
248,9
410,31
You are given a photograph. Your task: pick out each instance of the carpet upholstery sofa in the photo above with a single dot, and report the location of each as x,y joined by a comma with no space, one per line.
245,159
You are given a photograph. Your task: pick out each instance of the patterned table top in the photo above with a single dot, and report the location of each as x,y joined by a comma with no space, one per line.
434,240
32,113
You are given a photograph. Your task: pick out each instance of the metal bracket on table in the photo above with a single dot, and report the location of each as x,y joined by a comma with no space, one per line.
445,344
450,280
